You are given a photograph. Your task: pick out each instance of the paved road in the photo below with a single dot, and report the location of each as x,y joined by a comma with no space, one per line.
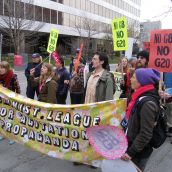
16,158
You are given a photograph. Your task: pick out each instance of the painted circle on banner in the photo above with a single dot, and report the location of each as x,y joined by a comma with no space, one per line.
108,141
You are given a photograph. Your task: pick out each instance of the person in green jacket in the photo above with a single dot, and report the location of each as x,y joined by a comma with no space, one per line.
99,85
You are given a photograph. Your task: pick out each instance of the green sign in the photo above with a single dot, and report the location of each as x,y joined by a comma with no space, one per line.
120,36
52,40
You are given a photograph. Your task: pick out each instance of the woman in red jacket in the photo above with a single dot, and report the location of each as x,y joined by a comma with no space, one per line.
9,80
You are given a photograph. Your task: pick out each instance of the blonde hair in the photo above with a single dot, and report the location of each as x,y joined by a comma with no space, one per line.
5,65
50,73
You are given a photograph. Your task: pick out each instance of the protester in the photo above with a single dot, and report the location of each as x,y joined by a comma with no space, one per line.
168,84
77,83
142,122
125,83
35,64
142,59
99,85
47,83
63,82
9,80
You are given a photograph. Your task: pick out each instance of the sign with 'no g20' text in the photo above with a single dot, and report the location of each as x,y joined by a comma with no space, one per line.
52,40
161,50
120,36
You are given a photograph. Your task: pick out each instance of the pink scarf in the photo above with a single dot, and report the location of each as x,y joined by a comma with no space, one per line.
135,96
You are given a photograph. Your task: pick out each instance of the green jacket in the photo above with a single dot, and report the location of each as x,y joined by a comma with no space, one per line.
104,87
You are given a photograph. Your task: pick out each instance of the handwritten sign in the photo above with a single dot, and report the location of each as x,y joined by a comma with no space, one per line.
108,141
161,50
52,40
120,36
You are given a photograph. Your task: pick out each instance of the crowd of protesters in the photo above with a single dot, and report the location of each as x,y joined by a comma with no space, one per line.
51,85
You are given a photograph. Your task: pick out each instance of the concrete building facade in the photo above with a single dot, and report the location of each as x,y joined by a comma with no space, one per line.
68,15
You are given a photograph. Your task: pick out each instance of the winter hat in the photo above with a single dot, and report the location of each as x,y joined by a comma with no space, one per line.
146,76
35,55
144,54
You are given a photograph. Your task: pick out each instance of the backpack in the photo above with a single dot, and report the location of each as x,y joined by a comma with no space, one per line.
159,131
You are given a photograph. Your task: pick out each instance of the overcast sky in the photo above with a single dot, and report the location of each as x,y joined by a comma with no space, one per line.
155,10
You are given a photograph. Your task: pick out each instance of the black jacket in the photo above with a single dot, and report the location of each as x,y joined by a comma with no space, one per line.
31,66
140,127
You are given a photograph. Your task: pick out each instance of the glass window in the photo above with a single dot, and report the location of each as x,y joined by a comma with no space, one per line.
60,18
53,16
9,8
61,1
1,7
38,13
96,9
19,9
100,10
46,15
29,11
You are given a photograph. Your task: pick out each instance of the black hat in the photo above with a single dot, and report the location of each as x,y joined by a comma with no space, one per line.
144,54
35,55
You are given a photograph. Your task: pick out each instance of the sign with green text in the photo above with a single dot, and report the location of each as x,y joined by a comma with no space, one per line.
120,36
52,40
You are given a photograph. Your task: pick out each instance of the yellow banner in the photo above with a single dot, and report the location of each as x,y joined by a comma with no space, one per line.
119,32
56,130
52,40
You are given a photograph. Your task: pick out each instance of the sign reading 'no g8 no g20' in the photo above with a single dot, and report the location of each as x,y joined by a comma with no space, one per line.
120,36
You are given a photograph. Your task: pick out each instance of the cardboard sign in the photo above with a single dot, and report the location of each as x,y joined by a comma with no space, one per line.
52,40
161,50
120,36
108,141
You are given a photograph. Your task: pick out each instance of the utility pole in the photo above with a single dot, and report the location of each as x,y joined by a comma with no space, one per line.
1,37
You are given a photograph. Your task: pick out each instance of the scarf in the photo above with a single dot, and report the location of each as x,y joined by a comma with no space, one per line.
135,96
7,78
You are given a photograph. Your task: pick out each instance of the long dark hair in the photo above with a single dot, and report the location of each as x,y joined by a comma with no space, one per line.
103,57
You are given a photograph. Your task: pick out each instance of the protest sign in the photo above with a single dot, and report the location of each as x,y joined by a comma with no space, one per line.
55,57
120,36
56,130
161,50
108,141
118,78
52,40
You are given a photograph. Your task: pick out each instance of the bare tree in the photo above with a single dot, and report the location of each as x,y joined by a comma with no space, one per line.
18,23
86,29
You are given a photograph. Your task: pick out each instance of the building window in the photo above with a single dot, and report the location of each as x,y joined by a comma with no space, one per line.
60,18
53,16
19,9
1,7
46,15
9,8
61,1
29,11
38,13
